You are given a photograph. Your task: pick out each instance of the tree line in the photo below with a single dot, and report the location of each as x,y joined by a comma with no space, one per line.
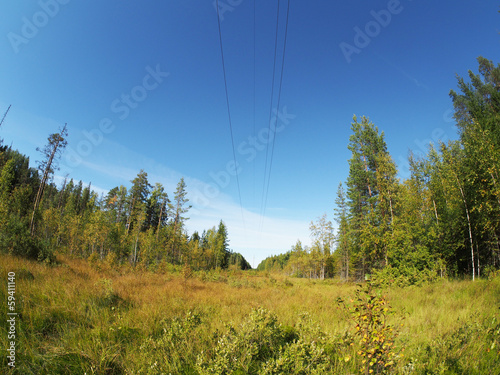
442,220
139,224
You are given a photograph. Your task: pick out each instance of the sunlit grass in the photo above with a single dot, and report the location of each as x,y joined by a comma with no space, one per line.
78,318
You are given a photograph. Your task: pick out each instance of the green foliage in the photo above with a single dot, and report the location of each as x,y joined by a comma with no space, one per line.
376,338
274,262
107,296
263,346
238,260
172,350
257,340
472,348
403,276
74,320
15,239
299,358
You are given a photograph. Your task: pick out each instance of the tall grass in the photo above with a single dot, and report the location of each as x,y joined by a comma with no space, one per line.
78,318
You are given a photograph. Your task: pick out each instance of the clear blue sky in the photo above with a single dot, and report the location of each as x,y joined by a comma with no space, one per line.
147,76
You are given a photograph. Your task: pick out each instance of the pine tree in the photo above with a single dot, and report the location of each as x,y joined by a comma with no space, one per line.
178,208
137,200
56,144
222,246
157,210
368,149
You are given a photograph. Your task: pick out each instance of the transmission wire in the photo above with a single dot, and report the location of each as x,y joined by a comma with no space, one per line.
270,114
278,106
228,110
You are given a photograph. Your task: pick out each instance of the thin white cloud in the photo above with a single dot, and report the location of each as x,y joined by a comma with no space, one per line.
250,234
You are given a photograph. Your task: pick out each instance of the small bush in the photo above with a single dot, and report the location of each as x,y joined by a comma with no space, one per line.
376,337
402,277
259,339
172,350
299,358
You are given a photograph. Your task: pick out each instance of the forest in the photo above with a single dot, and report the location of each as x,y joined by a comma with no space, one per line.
139,224
441,221
406,281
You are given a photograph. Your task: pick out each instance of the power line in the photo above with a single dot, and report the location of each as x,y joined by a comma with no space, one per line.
5,115
228,109
278,106
254,83
270,110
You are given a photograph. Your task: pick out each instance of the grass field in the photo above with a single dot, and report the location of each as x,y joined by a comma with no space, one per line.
77,318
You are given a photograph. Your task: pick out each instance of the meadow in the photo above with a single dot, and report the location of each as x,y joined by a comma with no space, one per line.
81,317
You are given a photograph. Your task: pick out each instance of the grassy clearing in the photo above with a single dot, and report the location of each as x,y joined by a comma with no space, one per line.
77,318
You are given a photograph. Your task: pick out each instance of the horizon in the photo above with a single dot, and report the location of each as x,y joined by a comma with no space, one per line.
143,88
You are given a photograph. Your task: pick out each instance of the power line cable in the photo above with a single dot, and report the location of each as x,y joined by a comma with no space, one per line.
270,111
228,109
5,115
278,106
254,83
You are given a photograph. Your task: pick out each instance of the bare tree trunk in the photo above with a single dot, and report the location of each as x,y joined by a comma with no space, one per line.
347,265
435,211
478,265
41,189
58,140
367,181
159,220
135,248
470,229
390,205
497,255
129,219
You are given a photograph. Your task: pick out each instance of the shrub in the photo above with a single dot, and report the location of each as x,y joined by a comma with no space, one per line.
402,276
299,358
172,349
376,337
259,339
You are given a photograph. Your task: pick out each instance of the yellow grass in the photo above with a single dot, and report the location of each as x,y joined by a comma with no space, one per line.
58,315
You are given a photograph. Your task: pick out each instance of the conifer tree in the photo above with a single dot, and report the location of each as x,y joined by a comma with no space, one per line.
56,144
367,148
178,208
137,200
222,246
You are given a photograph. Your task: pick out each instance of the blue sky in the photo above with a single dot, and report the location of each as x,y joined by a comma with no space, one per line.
140,85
